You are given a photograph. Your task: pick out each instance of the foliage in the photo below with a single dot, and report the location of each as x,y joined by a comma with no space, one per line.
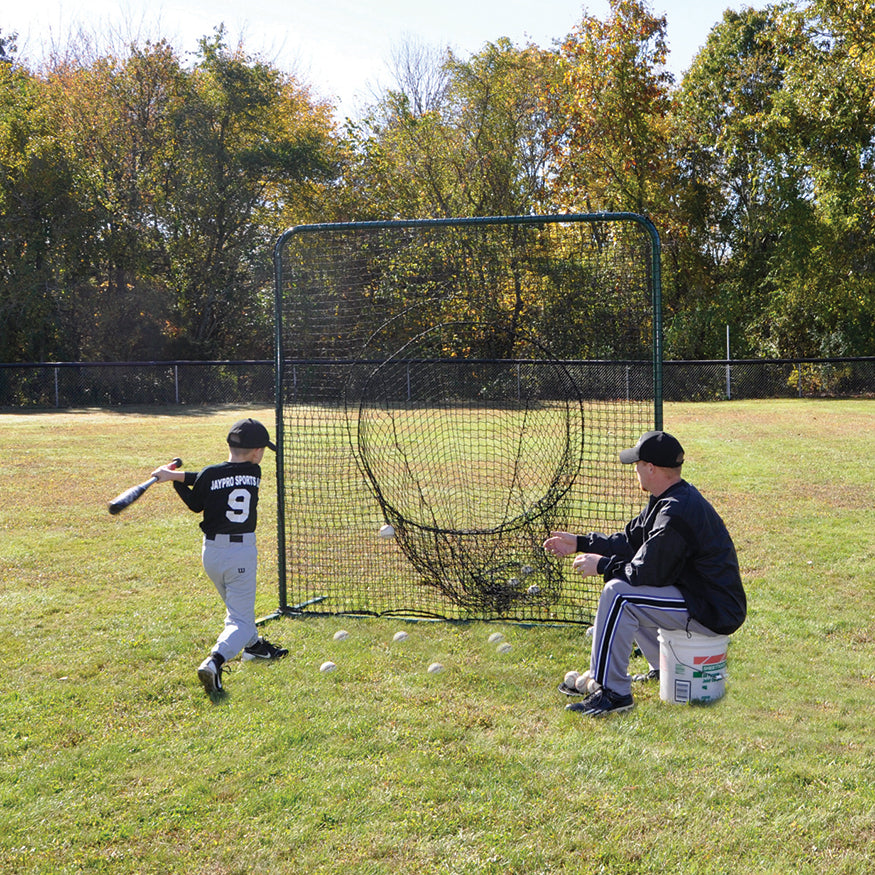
143,195
774,160
610,116
736,182
116,123
828,287
240,148
140,197
473,144
40,221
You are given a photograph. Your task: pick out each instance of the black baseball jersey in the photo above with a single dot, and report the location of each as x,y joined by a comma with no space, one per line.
226,494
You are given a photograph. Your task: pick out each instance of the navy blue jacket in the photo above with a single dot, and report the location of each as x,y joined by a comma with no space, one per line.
678,540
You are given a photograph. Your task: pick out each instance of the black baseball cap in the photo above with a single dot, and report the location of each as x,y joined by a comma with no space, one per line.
249,434
657,447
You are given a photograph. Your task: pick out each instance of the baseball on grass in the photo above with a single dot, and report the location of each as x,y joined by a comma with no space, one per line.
495,637
586,684
399,636
387,531
435,667
341,634
504,648
327,666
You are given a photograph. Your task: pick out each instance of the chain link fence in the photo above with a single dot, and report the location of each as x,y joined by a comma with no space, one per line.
114,384
768,378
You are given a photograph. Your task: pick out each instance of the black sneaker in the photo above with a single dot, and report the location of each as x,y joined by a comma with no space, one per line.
652,675
602,702
263,649
210,675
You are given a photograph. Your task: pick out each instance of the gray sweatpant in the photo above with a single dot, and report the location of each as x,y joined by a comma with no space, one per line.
232,569
629,615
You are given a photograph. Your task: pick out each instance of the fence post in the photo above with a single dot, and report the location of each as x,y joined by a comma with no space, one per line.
57,393
176,382
728,368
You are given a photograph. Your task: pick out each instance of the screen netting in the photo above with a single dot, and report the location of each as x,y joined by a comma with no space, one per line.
469,382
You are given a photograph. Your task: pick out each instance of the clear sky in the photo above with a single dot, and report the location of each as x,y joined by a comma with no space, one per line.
343,48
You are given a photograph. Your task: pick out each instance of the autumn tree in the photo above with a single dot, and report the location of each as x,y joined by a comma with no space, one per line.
735,179
609,115
457,137
41,220
141,200
137,189
464,137
118,126
247,138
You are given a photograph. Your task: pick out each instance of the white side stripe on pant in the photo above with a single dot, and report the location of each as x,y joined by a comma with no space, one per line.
602,649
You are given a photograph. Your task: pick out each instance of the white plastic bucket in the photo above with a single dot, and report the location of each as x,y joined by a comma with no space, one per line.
692,667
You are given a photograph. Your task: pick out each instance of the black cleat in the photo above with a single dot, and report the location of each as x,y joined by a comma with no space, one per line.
263,649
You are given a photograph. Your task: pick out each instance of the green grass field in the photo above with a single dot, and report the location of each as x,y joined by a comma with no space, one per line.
113,760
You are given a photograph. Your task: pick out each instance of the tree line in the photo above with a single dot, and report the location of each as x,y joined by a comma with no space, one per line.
141,193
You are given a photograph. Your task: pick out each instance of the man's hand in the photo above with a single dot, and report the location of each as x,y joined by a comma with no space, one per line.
561,543
587,564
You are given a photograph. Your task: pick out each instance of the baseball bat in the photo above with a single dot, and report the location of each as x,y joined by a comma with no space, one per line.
129,496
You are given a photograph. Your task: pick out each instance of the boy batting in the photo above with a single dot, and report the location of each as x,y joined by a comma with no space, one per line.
227,496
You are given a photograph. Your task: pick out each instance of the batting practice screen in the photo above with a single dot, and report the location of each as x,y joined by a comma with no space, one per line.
448,392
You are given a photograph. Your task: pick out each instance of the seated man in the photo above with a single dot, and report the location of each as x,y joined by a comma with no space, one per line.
673,567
